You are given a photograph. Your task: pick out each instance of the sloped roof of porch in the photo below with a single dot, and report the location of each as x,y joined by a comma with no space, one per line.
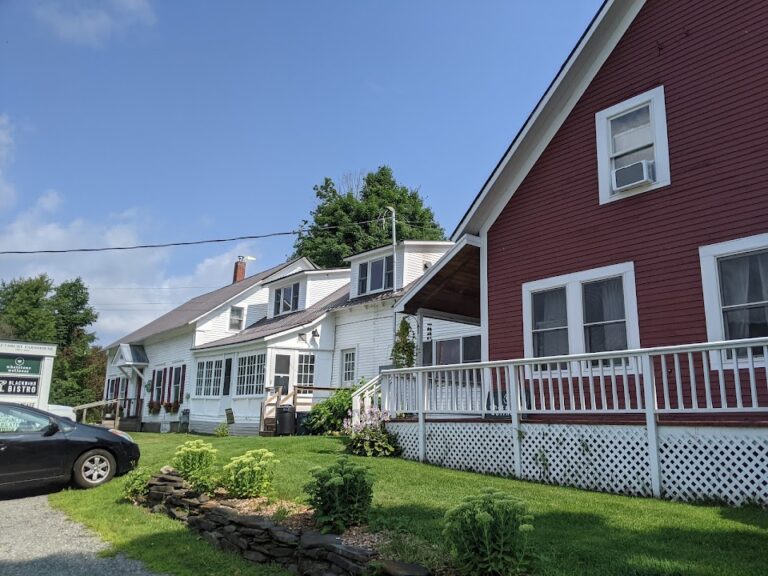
271,326
450,287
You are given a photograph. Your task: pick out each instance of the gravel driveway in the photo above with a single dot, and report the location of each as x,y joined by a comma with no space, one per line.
35,540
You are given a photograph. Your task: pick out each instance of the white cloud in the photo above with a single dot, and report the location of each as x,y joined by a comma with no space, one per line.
93,22
7,189
127,288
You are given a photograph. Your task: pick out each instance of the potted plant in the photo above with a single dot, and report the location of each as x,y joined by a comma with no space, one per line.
153,407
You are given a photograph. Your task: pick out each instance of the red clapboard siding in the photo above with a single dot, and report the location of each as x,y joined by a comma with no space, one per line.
711,59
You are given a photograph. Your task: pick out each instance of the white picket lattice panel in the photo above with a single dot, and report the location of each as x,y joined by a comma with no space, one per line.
603,458
487,448
714,464
695,463
407,435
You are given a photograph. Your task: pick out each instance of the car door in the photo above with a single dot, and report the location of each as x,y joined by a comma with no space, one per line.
29,449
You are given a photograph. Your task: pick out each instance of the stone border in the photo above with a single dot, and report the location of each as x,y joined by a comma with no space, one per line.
258,539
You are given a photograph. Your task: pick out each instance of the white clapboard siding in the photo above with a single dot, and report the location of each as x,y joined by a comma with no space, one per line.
419,256
320,286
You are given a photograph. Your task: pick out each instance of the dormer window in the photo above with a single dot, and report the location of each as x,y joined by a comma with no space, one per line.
376,275
236,318
286,299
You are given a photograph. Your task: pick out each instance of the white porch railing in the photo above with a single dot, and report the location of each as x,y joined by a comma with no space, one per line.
716,377
366,396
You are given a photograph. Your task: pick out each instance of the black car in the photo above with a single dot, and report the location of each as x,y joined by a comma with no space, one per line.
36,446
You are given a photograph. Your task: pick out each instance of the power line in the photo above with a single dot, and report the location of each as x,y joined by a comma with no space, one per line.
190,243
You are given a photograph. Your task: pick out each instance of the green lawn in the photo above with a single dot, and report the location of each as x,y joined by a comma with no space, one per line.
577,532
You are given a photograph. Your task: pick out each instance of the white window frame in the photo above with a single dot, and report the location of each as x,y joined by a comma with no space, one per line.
575,304
209,387
369,264
710,285
278,295
241,319
299,373
344,379
658,113
253,377
435,342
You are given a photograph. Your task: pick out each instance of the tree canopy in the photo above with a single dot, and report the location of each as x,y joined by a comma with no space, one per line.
356,219
36,310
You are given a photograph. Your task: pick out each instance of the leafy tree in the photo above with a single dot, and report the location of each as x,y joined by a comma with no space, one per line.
25,308
348,222
404,349
35,309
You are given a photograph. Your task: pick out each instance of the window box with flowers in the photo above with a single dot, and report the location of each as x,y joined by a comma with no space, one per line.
171,407
153,407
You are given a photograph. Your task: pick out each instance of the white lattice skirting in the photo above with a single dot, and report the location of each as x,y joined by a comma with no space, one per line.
695,463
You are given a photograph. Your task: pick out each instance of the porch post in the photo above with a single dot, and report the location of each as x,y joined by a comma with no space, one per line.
514,406
649,386
419,338
421,399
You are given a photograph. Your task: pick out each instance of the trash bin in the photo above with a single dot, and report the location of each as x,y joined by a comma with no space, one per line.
184,420
286,420
301,423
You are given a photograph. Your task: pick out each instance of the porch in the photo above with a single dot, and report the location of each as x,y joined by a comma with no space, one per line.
684,422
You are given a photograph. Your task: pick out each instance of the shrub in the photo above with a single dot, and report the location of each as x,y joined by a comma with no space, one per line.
488,534
251,474
370,436
135,484
221,430
195,461
340,495
327,417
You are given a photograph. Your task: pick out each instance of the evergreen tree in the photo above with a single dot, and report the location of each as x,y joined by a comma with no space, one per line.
352,221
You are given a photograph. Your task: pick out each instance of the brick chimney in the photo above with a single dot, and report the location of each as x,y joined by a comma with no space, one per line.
239,272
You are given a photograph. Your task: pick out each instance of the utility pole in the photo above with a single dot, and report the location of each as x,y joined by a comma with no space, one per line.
394,271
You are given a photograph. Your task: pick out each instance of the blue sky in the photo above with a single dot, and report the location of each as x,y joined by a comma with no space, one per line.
139,121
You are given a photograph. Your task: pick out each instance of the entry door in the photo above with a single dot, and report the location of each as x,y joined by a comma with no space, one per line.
282,373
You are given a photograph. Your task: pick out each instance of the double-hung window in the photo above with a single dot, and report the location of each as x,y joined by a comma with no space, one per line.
209,373
590,311
286,299
236,318
305,376
451,351
250,374
735,284
632,147
348,365
158,389
376,275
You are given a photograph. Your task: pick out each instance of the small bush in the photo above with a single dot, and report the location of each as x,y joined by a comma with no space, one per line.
195,461
370,436
340,495
222,430
327,417
135,484
488,534
251,474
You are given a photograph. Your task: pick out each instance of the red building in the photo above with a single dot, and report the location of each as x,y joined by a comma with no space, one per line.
624,237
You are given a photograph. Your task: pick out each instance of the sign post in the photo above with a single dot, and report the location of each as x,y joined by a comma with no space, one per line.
25,372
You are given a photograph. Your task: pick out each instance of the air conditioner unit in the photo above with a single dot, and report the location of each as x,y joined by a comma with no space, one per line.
633,175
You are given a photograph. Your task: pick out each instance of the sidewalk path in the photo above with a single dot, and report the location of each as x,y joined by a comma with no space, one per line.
35,539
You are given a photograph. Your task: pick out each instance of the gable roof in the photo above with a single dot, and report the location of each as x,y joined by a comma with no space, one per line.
198,306
272,326
585,60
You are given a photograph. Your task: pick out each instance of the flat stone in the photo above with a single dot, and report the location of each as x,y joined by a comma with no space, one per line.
318,540
346,564
354,553
201,523
203,498
254,556
168,471
212,537
253,521
161,489
394,568
274,551
192,502
228,546
237,540
284,537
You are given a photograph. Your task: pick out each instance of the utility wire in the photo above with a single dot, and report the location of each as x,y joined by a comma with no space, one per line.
190,243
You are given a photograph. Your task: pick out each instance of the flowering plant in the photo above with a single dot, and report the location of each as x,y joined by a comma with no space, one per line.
369,436
171,407
153,407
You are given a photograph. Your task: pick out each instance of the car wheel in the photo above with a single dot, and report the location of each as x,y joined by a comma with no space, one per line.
94,468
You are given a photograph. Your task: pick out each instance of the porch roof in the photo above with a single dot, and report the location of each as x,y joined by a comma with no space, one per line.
451,286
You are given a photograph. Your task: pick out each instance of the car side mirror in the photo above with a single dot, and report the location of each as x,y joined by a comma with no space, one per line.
52,428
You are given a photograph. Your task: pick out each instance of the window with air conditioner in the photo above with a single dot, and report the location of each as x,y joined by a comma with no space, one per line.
632,148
